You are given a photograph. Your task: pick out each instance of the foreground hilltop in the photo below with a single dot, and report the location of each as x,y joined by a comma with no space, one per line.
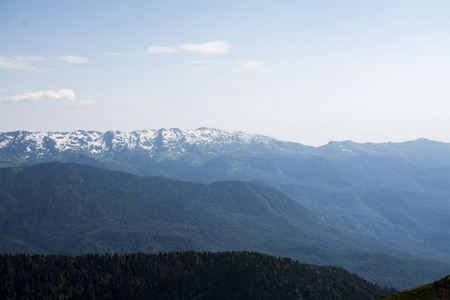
438,290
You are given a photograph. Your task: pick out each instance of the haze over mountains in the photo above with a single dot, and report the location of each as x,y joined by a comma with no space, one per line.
393,197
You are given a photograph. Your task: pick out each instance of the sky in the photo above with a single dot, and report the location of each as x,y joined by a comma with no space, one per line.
302,71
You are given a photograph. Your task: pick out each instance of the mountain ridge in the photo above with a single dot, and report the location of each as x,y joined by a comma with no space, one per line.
150,132
174,143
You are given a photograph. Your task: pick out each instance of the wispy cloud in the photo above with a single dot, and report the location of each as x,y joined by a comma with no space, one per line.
255,66
49,95
73,59
62,94
214,47
27,62
19,62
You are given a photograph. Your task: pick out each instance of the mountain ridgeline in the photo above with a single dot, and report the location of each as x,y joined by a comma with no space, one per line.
78,209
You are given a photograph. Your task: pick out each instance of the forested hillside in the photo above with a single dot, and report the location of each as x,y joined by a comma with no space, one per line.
188,275
77,209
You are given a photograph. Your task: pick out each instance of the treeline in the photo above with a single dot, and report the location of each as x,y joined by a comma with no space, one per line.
176,275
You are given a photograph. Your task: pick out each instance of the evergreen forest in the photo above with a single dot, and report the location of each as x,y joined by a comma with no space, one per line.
177,275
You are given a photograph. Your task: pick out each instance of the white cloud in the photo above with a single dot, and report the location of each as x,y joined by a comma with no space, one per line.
73,59
252,65
83,104
62,94
214,47
158,50
19,62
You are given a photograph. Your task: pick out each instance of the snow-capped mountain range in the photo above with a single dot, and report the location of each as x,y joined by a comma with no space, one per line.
152,141
204,143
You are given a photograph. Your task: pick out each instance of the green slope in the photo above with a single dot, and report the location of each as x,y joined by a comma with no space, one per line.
438,290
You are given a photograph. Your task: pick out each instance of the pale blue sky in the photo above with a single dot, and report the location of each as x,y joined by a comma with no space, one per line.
304,71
